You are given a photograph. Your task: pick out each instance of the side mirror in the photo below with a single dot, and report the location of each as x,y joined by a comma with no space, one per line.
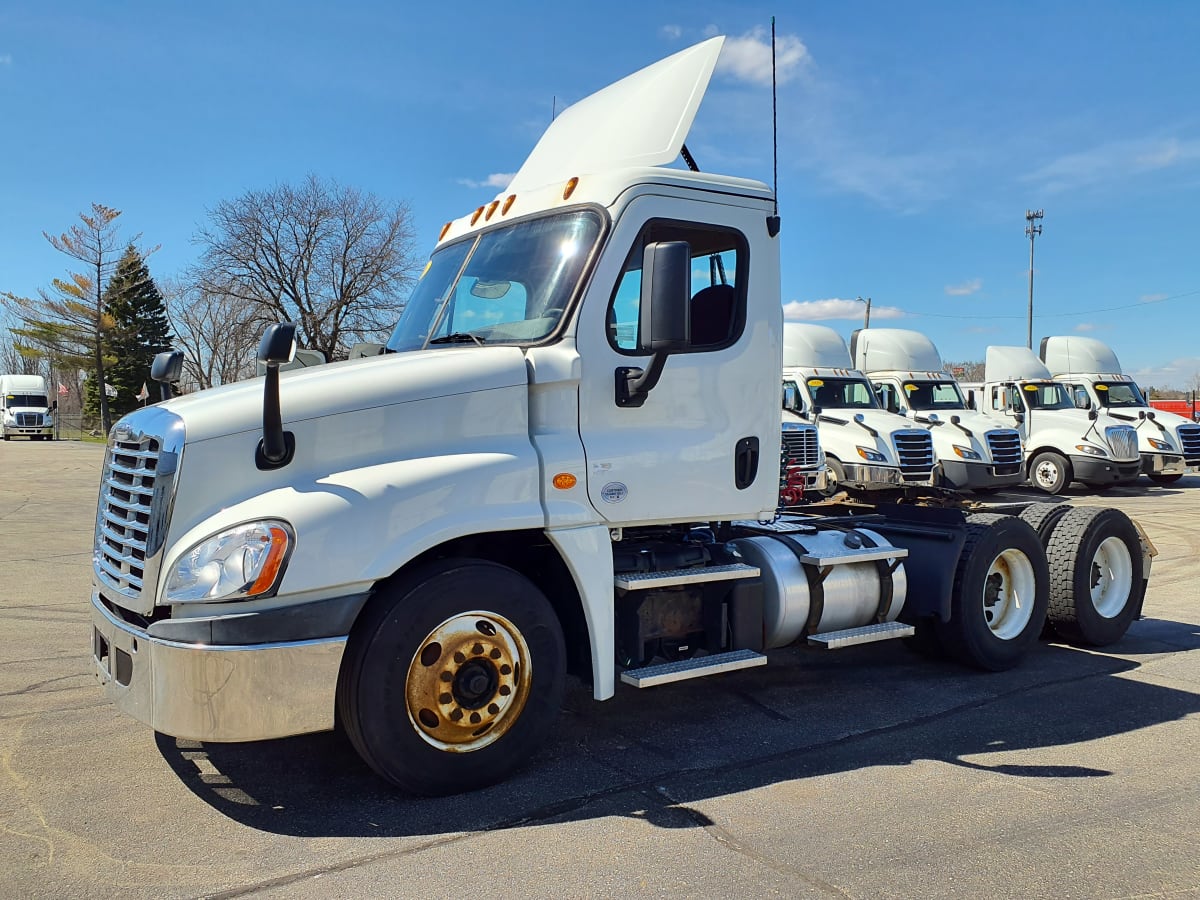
1019,417
1083,403
54,405
665,318
666,297
167,369
790,396
1093,415
277,347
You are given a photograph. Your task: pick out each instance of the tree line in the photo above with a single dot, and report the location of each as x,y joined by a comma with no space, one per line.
337,261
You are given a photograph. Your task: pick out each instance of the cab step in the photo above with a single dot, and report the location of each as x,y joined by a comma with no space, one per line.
867,634
697,667
642,581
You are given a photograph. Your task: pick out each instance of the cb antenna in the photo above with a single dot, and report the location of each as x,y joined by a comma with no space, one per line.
773,219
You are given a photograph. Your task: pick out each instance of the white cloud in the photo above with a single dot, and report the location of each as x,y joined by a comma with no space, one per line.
965,289
822,310
1112,162
748,57
1086,326
1152,298
982,329
495,180
1180,374
671,32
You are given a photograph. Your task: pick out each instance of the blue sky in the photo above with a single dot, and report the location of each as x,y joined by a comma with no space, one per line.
912,138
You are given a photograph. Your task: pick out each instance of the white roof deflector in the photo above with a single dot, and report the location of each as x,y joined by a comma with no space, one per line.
641,120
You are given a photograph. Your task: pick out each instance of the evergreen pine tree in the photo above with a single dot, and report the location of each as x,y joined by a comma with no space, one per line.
140,330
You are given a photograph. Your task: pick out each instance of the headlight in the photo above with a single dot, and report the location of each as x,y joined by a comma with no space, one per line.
1090,450
871,455
966,452
1160,445
238,563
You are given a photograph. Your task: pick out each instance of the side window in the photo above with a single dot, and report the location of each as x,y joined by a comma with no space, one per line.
887,397
998,398
720,261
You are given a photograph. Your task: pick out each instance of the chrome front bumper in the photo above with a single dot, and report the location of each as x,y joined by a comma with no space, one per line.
1163,464
216,693
869,477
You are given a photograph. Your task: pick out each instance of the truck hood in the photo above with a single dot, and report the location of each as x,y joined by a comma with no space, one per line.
350,386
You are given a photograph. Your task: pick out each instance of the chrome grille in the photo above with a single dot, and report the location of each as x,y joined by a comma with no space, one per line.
1005,447
914,451
134,506
1122,440
29,420
800,447
1189,440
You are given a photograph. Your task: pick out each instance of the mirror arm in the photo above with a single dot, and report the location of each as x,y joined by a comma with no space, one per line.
634,384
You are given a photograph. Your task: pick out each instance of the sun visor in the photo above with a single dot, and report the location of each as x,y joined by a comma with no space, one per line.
641,120
1071,355
1013,364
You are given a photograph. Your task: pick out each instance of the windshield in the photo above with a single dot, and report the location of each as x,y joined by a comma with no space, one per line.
507,286
841,393
1045,395
933,395
1119,393
34,400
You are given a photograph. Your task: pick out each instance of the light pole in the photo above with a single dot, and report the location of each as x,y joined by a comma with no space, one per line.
1032,231
867,316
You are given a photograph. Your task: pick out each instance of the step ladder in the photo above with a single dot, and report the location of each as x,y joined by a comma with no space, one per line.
866,634
643,581
697,667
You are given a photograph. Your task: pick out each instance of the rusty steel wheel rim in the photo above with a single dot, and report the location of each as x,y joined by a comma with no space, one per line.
468,682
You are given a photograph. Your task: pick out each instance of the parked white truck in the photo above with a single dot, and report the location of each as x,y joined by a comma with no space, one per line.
867,448
973,451
25,409
1169,445
566,461
1062,444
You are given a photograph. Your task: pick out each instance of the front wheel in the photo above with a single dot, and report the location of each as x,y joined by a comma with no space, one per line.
835,478
453,677
1050,472
1165,479
1000,594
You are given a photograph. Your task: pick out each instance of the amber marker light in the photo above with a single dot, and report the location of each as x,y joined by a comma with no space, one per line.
508,202
475,215
276,555
564,481
491,209
445,228
570,188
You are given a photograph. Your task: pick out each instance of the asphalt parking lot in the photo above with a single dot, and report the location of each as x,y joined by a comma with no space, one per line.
867,772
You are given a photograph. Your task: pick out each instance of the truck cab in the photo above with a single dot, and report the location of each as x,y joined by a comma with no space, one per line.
974,451
867,447
1062,443
1169,444
25,409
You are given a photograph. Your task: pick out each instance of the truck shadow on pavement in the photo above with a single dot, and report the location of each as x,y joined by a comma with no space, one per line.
647,754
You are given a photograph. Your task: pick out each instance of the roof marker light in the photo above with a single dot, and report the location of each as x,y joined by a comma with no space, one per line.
508,202
570,188
491,209
475,215
445,228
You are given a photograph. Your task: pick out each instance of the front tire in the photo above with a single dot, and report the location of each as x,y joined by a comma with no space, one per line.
1050,472
998,605
1165,479
453,677
835,479
1096,592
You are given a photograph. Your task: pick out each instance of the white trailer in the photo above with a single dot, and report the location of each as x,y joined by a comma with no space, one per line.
867,448
565,462
1169,445
1062,444
974,451
25,409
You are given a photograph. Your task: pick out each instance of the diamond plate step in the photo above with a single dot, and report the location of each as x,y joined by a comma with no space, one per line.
665,673
867,634
866,554
641,581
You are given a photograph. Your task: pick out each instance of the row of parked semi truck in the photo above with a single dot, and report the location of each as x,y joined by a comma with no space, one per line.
882,414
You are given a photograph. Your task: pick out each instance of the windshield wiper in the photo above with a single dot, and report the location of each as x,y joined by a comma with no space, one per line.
458,337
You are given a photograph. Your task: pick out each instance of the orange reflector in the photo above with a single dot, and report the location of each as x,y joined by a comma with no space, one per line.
564,481
445,228
475,215
491,209
508,202
570,188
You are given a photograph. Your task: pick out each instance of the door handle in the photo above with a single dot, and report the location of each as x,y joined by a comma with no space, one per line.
745,462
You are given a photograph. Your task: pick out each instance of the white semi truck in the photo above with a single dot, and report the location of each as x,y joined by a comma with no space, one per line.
565,462
974,451
25,409
1062,444
867,448
1169,445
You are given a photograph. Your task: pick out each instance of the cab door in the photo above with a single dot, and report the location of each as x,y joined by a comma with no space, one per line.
705,443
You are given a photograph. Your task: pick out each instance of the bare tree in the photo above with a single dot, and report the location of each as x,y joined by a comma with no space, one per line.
334,260
969,370
217,332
